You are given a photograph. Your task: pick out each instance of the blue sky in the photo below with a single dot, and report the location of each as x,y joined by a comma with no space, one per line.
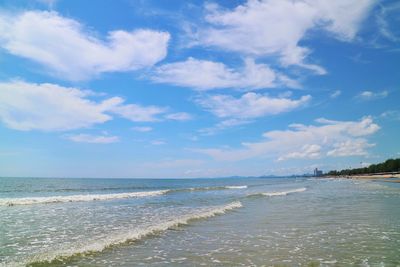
197,89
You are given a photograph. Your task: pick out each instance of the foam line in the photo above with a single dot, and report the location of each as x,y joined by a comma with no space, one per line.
280,193
132,235
77,198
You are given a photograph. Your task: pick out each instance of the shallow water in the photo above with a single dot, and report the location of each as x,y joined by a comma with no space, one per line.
194,222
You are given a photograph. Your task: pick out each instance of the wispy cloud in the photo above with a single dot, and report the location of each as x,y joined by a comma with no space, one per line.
382,19
249,105
222,125
138,113
79,53
50,3
142,129
391,115
179,116
174,163
309,151
94,139
370,95
50,107
158,142
335,94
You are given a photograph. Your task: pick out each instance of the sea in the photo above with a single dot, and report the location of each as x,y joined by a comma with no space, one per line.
199,222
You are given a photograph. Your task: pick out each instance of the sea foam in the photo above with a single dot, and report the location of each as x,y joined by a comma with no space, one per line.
280,193
131,235
94,197
77,198
209,188
236,186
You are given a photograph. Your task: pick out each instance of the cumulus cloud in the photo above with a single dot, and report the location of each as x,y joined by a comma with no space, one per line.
50,107
207,75
94,139
250,105
276,27
65,47
369,95
327,138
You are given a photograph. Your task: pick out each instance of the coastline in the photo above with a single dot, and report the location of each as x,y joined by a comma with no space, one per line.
383,177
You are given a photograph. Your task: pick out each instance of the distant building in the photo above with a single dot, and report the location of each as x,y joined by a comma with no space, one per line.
317,172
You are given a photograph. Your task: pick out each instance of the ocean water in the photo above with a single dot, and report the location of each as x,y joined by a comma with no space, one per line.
199,222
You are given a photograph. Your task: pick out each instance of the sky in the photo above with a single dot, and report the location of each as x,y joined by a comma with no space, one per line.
180,89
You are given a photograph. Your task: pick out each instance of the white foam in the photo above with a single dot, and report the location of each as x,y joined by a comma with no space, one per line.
236,186
281,193
213,188
77,198
134,234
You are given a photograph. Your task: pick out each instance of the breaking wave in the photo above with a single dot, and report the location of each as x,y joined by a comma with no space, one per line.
77,198
280,193
236,186
209,188
98,197
131,235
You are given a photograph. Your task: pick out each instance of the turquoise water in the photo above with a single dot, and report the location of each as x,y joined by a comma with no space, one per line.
199,222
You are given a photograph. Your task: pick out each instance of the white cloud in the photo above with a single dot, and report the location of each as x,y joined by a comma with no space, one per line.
388,13
249,105
369,95
222,125
208,75
138,113
330,138
142,129
95,139
391,115
306,152
275,27
179,116
66,48
350,148
335,94
173,163
50,107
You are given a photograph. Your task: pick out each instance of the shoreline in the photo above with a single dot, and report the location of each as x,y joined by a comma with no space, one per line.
371,177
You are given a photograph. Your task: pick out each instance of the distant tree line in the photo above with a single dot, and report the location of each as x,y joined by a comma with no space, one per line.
390,165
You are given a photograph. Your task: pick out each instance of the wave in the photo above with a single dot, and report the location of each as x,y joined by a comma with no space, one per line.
214,188
236,186
94,197
77,198
132,235
280,193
